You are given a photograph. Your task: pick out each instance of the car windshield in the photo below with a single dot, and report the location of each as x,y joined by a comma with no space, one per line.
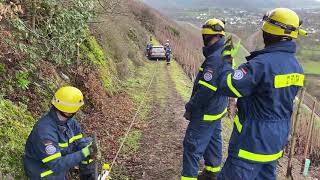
158,49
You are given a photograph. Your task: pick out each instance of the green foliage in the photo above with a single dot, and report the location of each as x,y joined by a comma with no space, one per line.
22,80
59,27
15,126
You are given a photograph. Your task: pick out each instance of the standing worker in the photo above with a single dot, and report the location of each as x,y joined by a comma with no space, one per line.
266,87
205,110
56,143
149,49
168,51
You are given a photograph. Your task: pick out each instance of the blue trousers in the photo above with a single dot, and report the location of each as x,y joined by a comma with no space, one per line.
202,140
238,169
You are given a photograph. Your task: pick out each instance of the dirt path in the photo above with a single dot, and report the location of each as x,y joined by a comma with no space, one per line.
160,154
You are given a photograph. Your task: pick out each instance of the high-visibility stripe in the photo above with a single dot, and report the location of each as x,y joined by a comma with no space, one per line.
87,162
238,123
187,178
212,169
52,157
63,145
71,140
231,87
46,173
259,157
286,80
74,138
200,69
208,85
214,117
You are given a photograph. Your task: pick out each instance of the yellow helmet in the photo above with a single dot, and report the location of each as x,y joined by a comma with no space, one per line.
213,26
282,22
68,99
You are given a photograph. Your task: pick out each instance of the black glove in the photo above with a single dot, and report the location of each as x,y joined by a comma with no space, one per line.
187,115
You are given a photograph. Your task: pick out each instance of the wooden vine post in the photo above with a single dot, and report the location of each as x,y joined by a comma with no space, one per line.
294,133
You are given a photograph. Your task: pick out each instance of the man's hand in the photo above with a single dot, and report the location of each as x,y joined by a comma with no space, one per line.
187,115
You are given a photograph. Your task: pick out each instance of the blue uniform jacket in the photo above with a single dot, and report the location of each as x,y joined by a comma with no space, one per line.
53,148
168,51
204,103
266,87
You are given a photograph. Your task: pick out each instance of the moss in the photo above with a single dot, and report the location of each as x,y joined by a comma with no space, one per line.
92,53
15,125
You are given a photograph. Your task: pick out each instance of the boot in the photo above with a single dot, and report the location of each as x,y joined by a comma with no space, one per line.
207,175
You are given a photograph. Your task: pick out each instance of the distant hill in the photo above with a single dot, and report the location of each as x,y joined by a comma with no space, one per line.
163,4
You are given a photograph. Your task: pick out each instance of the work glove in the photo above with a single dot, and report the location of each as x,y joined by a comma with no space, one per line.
187,115
89,151
230,51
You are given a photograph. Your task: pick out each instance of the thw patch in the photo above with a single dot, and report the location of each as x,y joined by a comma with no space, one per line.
50,149
238,74
207,76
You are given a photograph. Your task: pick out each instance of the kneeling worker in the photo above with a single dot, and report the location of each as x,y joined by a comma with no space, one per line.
56,143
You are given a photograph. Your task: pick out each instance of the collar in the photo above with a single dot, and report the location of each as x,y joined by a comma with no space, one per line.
54,116
208,50
283,46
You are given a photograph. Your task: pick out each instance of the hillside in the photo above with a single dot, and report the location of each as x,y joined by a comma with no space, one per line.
98,46
49,44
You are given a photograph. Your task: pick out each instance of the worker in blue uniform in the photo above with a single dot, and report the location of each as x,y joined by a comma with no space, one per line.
205,110
266,87
168,52
56,143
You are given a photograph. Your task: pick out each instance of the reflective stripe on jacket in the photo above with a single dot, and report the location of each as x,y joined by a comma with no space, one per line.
266,87
204,102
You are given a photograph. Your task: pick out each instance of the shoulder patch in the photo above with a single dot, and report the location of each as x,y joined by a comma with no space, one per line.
207,76
238,74
50,149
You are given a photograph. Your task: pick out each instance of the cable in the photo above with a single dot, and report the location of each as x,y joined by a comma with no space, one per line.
133,120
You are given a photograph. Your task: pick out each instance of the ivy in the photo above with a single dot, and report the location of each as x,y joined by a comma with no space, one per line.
59,26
